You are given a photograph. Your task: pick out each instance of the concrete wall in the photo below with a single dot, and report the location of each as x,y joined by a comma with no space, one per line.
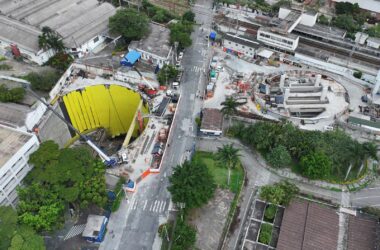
40,57
283,13
373,44
155,59
14,171
88,46
277,40
34,117
309,19
248,51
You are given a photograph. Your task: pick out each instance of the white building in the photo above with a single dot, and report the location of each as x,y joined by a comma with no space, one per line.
83,25
277,40
155,49
240,45
15,149
373,42
360,37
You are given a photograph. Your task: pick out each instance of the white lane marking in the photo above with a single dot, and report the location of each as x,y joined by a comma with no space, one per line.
146,203
366,197
162,206
151,206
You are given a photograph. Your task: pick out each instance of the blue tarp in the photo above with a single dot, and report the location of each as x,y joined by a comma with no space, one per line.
131,58
212,35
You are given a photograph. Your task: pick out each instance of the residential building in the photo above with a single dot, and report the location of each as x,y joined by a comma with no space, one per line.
276,40
155,49
240,45
15,149
212,122
83,25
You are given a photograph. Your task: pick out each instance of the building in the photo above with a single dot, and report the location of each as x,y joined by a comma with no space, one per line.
95,228
361,37
276,40
240,45
155,49
212,122
370,6
373,42
83,25
15,149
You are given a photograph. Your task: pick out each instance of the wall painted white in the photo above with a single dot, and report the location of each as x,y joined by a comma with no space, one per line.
277,40
244,49
40,57
309,19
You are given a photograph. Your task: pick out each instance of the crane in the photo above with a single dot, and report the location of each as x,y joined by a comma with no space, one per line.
108,161
142,77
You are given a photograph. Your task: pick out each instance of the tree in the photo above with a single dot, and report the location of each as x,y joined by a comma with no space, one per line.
43,81
229,108
129,23
346,8
279,157
184,236
346,22
280,193
60,61
166,74
50,40
374,31
370,150
192,184
228,156
358,74
316,165
11,95
322,19
180,32
188,16
14,236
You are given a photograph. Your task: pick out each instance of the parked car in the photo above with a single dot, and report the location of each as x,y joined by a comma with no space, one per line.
180,55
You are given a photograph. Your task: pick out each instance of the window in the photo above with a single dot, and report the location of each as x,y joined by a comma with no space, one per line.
96,39
243,47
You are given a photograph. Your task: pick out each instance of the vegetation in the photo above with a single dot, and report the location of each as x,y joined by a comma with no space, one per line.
188,16
43,81
191,183
11,95
220,173
183,237
156,13
374,31
229,108
270,212
130,24
60,61
5,66
358,74
322,19
180,32
335,149
15,236
167,74
119,192
265,236
280,193
59,177
228,156
279,157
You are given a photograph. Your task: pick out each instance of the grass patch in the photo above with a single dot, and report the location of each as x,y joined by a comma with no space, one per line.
5,67
220,173
2,58
265,236
270,213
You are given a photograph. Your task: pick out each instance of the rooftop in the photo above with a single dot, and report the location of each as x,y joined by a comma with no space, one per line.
361,233
373,40
76,21
242,40
93,226
212,119
11,141
157,42
13,114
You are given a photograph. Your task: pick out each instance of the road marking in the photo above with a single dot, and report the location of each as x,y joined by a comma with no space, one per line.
374,188
135,205
155,205
146,203
74,231
162,207
151,206
366,197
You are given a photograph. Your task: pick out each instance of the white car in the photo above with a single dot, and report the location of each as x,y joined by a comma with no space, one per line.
180,56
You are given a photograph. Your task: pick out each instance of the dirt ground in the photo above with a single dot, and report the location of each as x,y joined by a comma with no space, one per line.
210,220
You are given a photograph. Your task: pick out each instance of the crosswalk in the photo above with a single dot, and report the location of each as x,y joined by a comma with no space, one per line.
197,69
154,206
204,52
74,231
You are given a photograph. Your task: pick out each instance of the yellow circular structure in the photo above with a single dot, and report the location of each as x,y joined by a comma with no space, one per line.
118,109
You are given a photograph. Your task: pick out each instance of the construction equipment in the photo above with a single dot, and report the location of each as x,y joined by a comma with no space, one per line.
108,161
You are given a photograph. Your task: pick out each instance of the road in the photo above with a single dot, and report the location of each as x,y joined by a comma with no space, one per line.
136,223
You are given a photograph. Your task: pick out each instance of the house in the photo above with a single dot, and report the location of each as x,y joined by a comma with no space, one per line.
212,122
83,25
361,37
15,148
95,228
239,45
155,49
373,42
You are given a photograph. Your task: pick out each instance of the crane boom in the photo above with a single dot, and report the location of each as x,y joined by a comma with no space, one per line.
142,77
26,85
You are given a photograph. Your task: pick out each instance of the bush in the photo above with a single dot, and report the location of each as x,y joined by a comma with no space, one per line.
279,157
270,212
322,19
43,81
60,61
167,74
188,16
265,236
280,193
358,74
11,95
198,121
4,66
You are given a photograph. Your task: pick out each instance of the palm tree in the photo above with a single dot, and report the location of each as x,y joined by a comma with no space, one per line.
229,108
370,150
49,39
228,155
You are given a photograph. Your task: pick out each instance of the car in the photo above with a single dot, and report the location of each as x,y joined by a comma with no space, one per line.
180,55
175,85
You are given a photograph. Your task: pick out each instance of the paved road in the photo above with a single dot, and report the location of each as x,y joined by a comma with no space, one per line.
135,225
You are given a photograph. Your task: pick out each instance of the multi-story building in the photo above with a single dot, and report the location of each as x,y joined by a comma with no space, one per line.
15,149
240,45
277,40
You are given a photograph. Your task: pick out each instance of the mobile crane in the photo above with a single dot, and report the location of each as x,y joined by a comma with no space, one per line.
108,161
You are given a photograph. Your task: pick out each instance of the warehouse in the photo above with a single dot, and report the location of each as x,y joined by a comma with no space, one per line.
83,25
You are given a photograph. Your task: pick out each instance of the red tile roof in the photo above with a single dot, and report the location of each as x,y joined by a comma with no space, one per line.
361,233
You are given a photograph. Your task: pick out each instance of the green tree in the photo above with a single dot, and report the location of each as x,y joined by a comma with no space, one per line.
346,8
129,23
188,16
11,95
279,157
358,74
167,74
280,193
229,108
374,31
180,32
322,19
60,61
43,81
184,236
228,156
370,150
346,22
316,165
191,183
49,39
14,236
